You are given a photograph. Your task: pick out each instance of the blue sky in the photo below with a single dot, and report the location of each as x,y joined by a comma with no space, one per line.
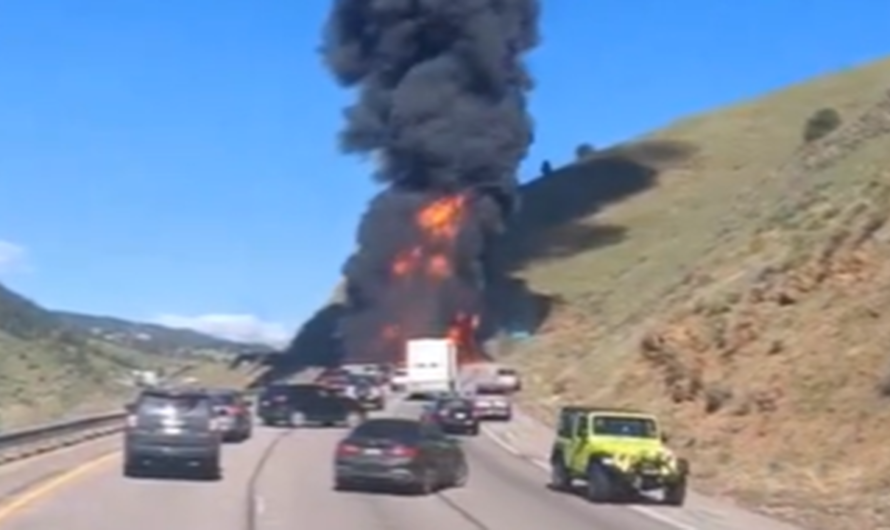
179,158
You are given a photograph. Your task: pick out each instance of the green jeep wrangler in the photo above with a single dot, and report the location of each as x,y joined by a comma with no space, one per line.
619,454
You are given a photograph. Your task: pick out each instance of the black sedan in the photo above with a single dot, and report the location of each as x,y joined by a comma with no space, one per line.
404,454
455,415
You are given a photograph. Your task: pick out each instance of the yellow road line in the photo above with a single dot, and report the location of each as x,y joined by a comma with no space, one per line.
47,488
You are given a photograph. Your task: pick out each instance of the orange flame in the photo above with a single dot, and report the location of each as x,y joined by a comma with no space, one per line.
463,333
441,218
440,223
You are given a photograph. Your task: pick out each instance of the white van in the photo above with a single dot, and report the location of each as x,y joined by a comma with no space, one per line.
431,366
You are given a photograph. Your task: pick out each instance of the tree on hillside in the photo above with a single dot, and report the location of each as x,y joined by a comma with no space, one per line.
820,124
584,151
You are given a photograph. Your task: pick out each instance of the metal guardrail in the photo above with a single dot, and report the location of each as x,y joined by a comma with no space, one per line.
31,441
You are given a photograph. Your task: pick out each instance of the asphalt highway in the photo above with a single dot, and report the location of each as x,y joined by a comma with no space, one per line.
282,479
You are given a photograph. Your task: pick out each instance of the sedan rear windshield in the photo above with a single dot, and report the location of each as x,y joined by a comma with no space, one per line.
156,404
390,429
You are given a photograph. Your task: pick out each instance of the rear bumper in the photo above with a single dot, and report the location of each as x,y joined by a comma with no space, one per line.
460,427
236,426
430,387
155,452
375,474
276,415
494,413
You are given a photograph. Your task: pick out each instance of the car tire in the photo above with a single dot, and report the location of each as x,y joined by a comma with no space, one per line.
426,483
559,475
461,475
131,469
600,487
343,485
474,430
211,469
675,493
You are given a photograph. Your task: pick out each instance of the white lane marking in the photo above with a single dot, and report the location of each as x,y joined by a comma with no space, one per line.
545,466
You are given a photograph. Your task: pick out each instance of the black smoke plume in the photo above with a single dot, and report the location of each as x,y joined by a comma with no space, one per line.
441,108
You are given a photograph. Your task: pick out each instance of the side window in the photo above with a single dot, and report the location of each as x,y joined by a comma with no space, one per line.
582,426
564,430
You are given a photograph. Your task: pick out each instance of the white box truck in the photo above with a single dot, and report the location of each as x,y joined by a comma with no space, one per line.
430,366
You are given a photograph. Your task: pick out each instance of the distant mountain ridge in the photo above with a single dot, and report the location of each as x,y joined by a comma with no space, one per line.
155,338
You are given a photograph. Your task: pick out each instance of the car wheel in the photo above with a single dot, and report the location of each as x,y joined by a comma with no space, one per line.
474,430
461,475
343,485
559,475
600,487
426,482
211,469
675,492
131,469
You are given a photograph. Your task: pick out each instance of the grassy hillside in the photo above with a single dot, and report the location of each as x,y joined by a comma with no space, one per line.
736,281
50,370
731,277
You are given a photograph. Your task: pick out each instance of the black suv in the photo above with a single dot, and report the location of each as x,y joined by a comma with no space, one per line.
306,404
172,429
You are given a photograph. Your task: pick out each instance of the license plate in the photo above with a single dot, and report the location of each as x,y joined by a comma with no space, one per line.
172,430
373,451
460,415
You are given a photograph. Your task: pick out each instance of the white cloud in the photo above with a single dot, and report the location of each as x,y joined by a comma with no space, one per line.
241,328
12,257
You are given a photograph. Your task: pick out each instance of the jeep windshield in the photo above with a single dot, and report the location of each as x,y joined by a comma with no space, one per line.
628,426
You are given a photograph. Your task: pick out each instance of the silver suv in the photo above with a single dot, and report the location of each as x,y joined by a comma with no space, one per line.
172,430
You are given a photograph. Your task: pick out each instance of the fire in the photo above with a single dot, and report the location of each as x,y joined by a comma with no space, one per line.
463,333
406,262
439,223
441,219
438,266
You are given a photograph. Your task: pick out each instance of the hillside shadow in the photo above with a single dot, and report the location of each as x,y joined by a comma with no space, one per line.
555,221
316,344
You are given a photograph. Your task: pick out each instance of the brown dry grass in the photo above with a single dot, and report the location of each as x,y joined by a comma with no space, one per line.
744,296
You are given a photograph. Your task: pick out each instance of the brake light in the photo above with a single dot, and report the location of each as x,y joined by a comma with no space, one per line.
132,421
347,449
403,451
